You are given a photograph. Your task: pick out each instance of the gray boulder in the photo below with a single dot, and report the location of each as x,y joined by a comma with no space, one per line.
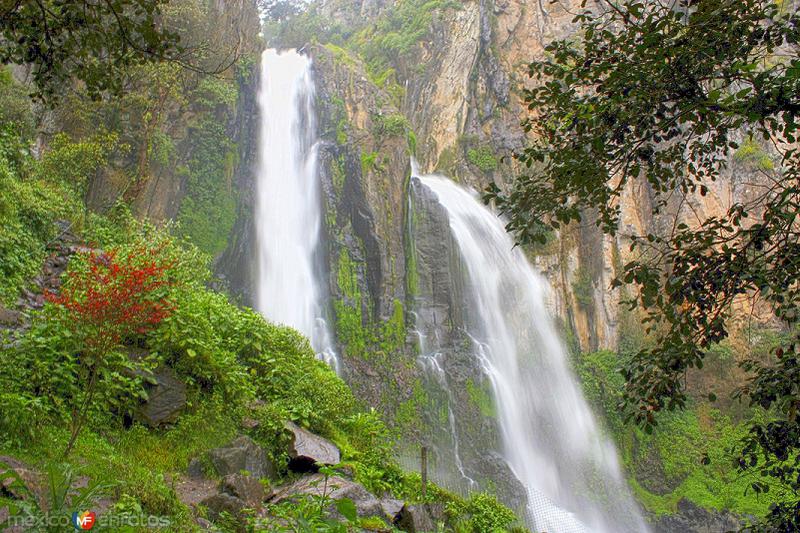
391,508
9,317
166,398
242,454
307,451
223,503
336,488
414,519
247,488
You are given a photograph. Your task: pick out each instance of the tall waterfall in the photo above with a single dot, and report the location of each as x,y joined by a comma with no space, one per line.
550,439
288,224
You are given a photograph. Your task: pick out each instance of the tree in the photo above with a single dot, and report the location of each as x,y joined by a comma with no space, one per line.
663,92
113,296
94,41
280,10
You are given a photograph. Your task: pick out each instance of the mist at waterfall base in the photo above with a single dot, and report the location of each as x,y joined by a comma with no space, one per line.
288,211
549,437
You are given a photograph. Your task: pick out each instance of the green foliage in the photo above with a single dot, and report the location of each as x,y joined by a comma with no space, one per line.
15,106
93,42
73,162
752,153
482,513
208,211
390,125
213,93
369,162
483,157
481,398
396,34
582,288
691,453
29,206
61,499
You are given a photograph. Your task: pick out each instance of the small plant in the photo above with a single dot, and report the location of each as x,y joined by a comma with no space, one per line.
483,157
52,510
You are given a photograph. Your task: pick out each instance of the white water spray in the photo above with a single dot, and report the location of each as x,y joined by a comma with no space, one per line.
288,225
550,438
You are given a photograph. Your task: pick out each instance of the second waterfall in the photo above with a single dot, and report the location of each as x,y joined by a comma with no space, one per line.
288,225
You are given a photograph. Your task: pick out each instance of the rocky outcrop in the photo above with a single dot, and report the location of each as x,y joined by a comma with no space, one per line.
698,520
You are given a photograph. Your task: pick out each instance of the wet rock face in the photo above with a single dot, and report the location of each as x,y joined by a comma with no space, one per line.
437,300
697,520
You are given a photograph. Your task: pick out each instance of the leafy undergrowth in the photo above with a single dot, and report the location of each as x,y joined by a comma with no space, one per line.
233,362
690,454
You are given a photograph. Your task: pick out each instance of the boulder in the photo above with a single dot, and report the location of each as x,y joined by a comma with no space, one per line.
391,508
414,519
307,451
166,398
195,469
242,454
335,488
223,503
9,317
247,488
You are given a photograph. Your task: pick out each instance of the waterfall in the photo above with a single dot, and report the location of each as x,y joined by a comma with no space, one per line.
288,204
550,439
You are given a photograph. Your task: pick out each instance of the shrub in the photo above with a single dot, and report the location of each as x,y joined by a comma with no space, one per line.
107,297
483,512
483,157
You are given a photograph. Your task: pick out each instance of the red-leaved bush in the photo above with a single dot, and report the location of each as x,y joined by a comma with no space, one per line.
116,295
111,296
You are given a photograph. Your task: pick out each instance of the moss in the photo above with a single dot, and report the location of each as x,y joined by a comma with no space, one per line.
481,398
349,319
751,153
412,275
411,138
393,331
208,211
447,161
582,288
369,162
483,157
338,175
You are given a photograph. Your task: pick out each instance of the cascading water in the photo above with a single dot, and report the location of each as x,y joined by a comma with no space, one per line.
550,438
288,224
